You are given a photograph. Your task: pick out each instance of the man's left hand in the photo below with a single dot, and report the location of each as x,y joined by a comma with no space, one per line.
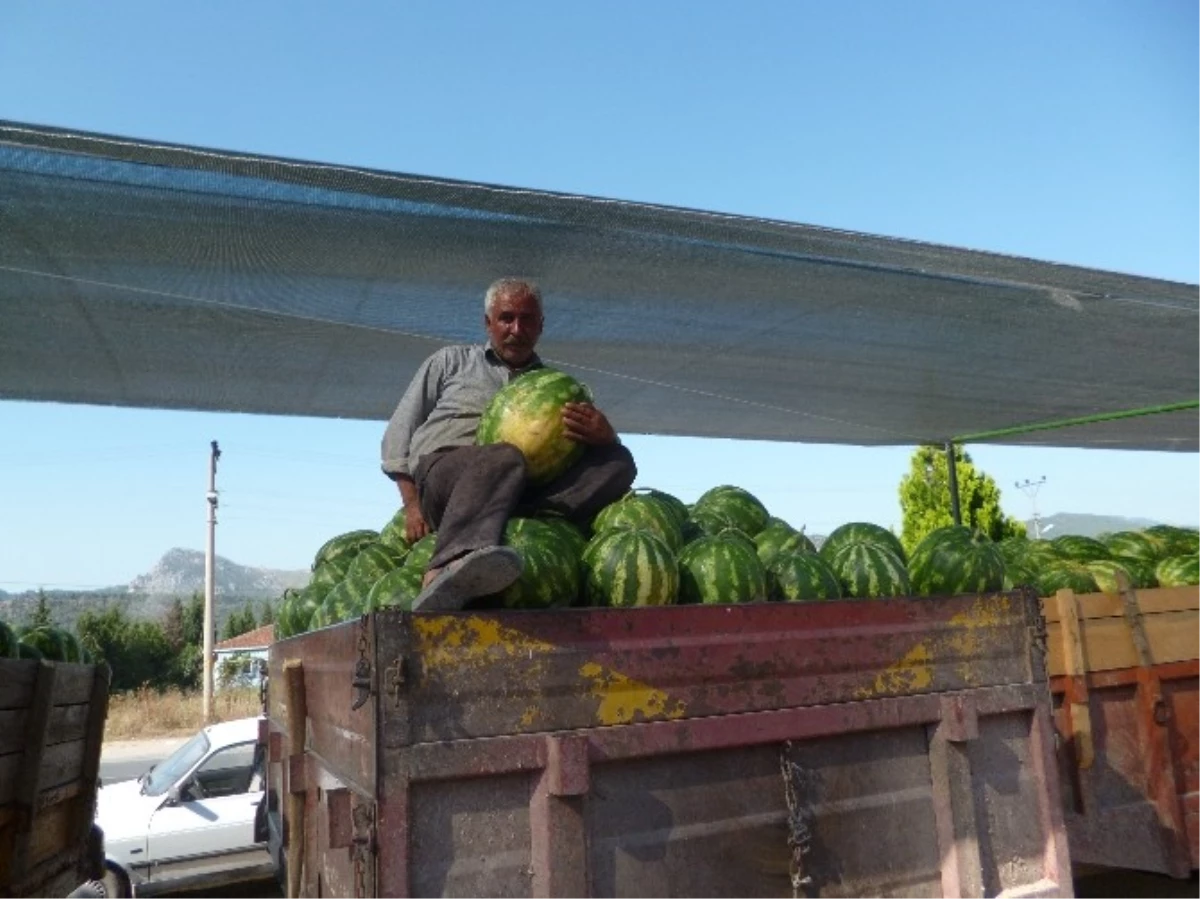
585,423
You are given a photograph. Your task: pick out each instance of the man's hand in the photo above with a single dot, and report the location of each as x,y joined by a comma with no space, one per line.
585,423
415,525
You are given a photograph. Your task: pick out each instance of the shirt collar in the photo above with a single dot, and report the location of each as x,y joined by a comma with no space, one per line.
535,361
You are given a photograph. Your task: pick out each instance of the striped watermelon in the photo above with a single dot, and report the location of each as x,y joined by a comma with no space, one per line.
344,602
1105,571
1174,541
641,511
1131,545
550,577
421,552
1033,552
626,568
954,560
1178,571
1078,548
1066,574
329,574
868,570
721,569
9,641
348,543
285,614
1019,573
374,561
54,643
393,533
567,531
527,412
802,576
861,532
741,508
677,506
780,537
396,590
706,523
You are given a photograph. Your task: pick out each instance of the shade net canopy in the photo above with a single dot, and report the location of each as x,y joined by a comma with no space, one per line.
141,274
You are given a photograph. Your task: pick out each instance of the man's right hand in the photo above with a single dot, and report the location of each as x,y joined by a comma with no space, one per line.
415,525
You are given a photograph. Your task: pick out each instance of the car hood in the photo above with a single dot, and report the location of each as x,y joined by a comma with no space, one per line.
123,812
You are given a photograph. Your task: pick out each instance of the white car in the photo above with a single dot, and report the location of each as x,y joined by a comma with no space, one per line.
192,821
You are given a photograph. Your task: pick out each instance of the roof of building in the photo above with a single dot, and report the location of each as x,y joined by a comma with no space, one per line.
259,638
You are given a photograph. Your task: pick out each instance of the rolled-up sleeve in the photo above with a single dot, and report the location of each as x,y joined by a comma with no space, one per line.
415,406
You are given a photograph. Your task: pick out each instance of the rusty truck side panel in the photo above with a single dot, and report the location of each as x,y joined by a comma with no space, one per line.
1126,684
894,747
51,729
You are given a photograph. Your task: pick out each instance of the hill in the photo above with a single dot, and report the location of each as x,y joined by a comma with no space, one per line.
179,573
1086,525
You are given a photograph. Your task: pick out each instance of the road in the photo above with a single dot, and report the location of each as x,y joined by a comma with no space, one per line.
127,759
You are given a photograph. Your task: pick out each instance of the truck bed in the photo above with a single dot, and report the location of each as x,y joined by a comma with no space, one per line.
855,747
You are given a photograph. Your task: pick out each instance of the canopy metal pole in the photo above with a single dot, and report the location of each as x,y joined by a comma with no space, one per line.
954,509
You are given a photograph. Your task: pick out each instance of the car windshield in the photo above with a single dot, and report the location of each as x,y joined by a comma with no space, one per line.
166,773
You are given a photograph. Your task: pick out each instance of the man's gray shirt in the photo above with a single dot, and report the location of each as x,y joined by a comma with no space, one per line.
443,404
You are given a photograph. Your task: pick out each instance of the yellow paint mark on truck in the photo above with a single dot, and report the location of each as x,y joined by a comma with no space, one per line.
911,674
455,641
623,700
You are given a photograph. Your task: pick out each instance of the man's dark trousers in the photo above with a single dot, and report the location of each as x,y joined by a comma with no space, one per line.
468,493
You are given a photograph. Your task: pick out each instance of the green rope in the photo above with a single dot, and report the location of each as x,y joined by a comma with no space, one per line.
1068,422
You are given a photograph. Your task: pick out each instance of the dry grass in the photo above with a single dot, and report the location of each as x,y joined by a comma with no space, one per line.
146,713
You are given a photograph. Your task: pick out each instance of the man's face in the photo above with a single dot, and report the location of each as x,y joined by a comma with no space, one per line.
514,326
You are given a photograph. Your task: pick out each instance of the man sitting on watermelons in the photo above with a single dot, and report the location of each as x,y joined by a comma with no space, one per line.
467,492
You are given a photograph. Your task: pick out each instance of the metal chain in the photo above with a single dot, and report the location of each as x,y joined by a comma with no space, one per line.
362,669
799,833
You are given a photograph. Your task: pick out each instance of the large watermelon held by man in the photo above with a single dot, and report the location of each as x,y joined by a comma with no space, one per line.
527,413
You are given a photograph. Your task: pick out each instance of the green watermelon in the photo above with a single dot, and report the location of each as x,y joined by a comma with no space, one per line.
1104,573
527,413
374,561
284,617
954,560
867,570
677,506
861,532
721,569
393,535
1178,571
803,576
329,574
569,532
1066,574
627,568
1131,545
54,643
396,590
742,509
706,523
1174,541
344,602
1077,548
780,537
640,511
27,651
550,576
348,543
421,552
1019,573
9,641
303,607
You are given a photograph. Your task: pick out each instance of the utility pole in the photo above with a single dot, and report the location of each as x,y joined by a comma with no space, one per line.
1031,489
209,586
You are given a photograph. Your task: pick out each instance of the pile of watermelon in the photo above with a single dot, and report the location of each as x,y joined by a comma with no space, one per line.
651,549
54,644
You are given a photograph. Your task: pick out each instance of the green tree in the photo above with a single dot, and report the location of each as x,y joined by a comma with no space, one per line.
239,622
172,624
42,616
137,652
268,613
193,620
925,498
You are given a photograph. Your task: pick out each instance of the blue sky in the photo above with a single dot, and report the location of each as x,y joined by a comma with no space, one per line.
1064,131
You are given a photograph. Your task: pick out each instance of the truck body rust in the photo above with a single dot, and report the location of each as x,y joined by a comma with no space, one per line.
856,747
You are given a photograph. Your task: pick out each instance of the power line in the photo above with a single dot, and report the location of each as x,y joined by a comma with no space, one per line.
1030,488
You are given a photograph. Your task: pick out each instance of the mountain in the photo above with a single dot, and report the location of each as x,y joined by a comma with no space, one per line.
180,572
1086,525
